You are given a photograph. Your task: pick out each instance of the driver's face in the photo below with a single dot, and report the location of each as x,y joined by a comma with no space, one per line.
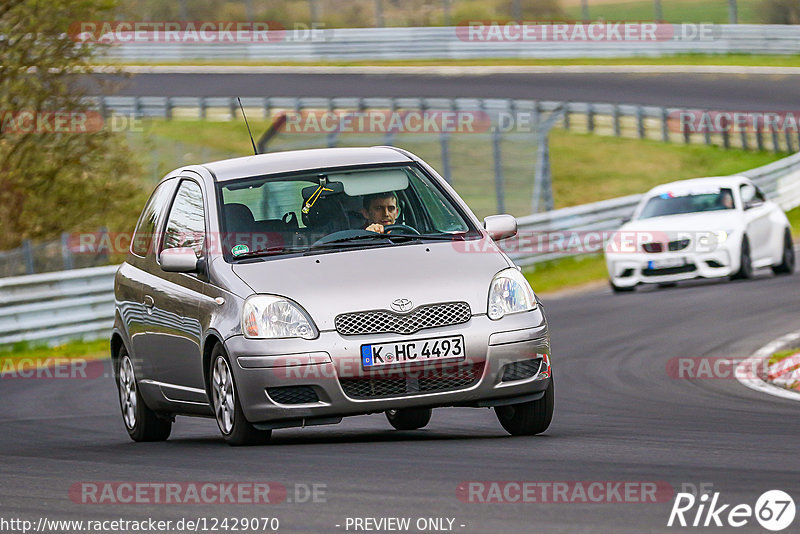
381,211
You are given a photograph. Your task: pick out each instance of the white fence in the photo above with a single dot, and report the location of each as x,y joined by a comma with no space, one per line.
459,43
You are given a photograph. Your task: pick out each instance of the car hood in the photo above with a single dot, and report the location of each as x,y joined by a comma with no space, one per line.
689,222
326,285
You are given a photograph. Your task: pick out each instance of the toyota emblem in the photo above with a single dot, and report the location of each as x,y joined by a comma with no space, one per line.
401,305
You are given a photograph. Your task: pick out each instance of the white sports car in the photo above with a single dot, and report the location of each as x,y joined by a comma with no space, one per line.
700,228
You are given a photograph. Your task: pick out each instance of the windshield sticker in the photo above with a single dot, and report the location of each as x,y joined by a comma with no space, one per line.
238,250
691,192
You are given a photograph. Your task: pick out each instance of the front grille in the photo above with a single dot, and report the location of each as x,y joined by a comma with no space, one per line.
653,247
389,322
669,270
680,244
521,370
293,394
429,381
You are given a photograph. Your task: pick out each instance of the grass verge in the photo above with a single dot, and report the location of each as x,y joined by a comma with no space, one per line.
40,353
781,355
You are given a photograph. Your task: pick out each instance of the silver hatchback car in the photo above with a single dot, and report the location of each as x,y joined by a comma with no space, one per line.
295,288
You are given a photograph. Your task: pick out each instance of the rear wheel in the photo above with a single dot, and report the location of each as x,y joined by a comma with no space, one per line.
142,423
746,263
409,418
236,430
787,259
528,418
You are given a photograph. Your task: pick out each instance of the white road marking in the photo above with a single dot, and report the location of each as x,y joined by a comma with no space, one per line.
746,378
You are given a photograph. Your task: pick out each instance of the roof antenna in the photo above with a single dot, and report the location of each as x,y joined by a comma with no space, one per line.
255,151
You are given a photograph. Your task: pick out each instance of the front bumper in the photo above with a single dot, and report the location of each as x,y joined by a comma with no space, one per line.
320,364
631,269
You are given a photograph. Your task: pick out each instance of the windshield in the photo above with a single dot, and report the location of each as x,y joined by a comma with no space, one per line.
330,210
676,203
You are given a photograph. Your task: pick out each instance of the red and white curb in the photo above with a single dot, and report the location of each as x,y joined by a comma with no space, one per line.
746,377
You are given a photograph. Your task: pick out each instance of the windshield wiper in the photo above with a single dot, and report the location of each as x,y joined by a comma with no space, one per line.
271,251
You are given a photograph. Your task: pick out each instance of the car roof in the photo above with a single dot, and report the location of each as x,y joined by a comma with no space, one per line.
303,160
697,183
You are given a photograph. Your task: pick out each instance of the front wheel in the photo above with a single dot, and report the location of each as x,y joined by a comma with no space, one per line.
142,423
621,289
528,418
409,418
745,262
787,259
236,430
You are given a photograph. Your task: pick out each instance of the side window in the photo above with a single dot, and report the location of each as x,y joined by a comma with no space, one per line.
143,236
186,224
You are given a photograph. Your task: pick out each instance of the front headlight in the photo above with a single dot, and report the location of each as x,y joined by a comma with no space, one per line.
268,316
509,293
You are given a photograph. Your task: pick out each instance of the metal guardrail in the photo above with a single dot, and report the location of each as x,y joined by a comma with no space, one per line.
58,306
454,43
621,120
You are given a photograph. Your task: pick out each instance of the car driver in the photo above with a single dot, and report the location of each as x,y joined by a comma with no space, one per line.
380,210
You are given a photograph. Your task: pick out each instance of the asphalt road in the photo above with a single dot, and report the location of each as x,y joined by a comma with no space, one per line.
619,417
717,91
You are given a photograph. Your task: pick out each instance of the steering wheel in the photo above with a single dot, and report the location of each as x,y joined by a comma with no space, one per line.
404,229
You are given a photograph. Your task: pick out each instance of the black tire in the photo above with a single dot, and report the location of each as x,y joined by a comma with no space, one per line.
142,423
746,263
528,418
409,418
621,289
236,431
787,261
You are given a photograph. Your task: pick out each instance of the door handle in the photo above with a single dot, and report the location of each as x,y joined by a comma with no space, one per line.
149,303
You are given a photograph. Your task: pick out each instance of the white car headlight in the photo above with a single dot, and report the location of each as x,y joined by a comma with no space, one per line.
509,293
268,316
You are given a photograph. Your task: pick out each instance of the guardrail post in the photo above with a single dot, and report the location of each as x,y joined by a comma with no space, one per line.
232,108
66,253
266,107
332,136
759,138
498,170
103,107
789,143
203,107
707,136
27,255
137,107
615,119
168,108
590,118
743,138
776,145
566,115
664,125
640,122
388,138
726,134
687,139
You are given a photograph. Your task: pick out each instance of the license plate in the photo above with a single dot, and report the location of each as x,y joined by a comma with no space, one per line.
419,350
666,263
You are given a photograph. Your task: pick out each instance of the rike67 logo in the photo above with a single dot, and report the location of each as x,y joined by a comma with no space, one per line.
774,510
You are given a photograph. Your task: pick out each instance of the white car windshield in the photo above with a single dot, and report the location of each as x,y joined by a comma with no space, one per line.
677,203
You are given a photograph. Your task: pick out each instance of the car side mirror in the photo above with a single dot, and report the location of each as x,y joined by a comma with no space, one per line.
179,260
626,220
500,226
